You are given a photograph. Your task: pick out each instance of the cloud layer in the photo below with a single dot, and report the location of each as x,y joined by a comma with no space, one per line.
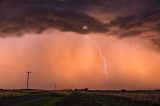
122,18
38,15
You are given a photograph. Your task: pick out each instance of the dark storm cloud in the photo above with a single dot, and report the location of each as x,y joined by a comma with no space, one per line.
131,17
148,22
19,16
62,20
134,18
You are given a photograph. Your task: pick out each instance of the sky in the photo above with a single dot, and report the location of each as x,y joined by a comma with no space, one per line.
96,44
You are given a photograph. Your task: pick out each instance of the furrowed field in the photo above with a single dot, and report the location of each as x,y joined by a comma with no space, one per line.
79,98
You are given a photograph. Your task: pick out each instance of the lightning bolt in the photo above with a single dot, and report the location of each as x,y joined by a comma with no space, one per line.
100,53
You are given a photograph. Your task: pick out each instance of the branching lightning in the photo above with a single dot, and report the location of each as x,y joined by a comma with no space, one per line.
100,53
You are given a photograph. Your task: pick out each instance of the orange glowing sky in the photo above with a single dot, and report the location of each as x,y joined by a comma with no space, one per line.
66,42
71,61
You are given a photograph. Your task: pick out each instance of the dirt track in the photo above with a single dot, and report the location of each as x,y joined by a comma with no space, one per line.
17,100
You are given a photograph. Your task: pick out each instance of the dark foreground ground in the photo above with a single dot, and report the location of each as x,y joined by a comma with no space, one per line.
84,98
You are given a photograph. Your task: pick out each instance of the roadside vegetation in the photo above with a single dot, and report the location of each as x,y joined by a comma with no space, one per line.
11,94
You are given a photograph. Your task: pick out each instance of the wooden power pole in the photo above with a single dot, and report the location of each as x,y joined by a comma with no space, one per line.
55,87
28,75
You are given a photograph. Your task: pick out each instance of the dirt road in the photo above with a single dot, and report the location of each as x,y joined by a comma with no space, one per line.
17,100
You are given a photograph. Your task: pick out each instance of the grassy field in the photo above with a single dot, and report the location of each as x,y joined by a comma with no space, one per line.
80,98
49,100
108,100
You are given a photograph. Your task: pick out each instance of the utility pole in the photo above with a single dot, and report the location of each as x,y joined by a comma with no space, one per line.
55,87
28,75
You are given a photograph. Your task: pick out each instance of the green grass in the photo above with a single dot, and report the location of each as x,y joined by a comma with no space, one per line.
44,101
